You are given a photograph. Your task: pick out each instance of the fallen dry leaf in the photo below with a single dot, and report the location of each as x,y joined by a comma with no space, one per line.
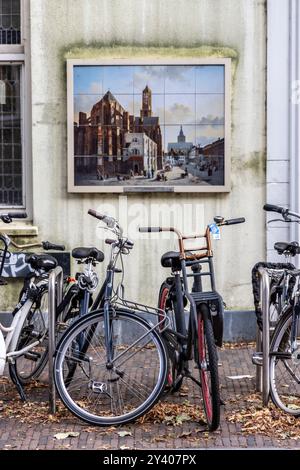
239,377
267,421
159,439
173,413
184,435
124,433
65,435
241,345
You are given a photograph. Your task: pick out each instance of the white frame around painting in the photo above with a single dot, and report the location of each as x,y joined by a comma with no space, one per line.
119,187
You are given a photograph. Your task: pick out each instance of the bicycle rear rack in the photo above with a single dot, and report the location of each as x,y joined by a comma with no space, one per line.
163,320
203,297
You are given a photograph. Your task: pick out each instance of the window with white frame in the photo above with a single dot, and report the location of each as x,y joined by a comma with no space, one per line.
10,22
13,78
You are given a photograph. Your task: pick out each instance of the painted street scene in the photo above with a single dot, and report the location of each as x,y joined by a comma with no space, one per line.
149,125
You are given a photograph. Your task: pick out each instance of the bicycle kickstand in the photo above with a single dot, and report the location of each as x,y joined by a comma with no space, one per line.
15,380
190,376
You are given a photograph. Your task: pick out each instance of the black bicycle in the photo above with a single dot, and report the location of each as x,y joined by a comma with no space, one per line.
111,365
195,316
285,341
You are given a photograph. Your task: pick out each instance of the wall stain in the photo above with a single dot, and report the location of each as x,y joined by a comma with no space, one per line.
117,50
153,51
256,162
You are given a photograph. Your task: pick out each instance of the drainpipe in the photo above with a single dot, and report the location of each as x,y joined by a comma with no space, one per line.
294,121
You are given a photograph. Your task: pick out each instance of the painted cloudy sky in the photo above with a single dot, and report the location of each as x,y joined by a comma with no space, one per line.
191,96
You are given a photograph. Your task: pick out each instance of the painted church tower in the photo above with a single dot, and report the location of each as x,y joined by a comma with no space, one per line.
146,110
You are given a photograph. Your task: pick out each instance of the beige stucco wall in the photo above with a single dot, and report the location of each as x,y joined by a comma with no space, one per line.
64,28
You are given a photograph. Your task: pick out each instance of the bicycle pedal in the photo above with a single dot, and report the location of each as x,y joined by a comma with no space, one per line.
35,334
257,358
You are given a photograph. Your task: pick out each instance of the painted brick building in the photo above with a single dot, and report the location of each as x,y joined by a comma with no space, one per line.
99,139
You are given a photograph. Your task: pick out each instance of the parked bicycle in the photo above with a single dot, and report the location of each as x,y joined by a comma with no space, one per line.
285,342
23,346
111,365
196,336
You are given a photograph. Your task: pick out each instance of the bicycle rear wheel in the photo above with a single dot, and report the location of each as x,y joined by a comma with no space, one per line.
285,368
174,382
207,360
116,393
35,328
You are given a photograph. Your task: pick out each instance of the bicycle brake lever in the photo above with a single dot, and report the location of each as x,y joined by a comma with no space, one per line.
275,220
282,220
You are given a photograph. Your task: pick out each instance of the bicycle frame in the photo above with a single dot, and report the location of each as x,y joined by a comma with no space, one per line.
8,344
2,349
185,335
296,312
103,300
192,256
105,295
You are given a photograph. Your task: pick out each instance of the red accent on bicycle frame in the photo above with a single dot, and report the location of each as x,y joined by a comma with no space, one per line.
162,306
203,373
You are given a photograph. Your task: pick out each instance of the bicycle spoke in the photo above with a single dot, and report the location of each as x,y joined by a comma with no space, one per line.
132,354
134,391
284,371
132,346
291,372
104,390
139,384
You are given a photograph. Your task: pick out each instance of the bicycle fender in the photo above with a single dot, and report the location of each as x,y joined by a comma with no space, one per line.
2,354
218,322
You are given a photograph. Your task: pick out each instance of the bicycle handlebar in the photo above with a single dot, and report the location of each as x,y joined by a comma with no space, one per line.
8,218
17,215
239,220
96,214
52,246
150,229
109,221
273,208
286,213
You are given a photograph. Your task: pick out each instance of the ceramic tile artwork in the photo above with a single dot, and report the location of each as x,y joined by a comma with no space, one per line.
148,125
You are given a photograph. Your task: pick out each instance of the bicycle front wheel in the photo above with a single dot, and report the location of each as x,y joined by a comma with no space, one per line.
285,368
112,393
207,360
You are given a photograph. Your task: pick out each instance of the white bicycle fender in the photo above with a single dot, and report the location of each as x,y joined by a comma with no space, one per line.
2,354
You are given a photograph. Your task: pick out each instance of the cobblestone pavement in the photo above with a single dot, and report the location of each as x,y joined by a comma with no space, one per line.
30,426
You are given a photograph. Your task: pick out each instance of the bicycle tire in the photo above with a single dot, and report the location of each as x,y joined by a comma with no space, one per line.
38,356
275,306
25,336
284,389
165,303
207,361
154,355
